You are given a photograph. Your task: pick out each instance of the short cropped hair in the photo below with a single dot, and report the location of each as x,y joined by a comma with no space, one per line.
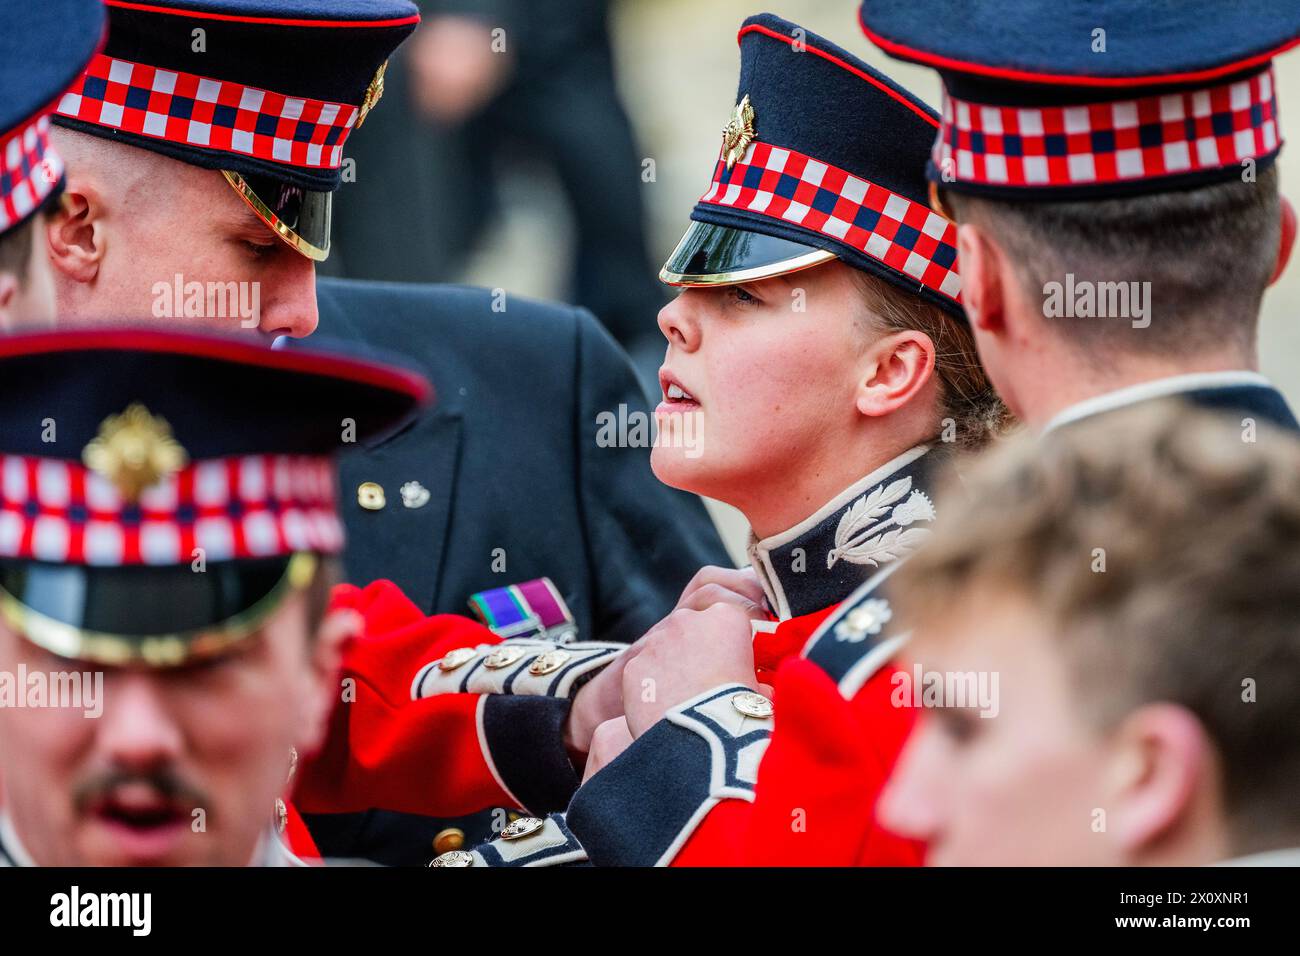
1208,253
1196,517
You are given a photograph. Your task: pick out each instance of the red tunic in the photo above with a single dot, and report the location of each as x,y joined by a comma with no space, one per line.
382,748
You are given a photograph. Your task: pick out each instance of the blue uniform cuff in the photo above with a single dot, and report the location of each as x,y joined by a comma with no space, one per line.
525,739
642,807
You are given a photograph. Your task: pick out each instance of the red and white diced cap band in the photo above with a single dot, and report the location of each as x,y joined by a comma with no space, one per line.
790,187
1148,137
251,506
195,111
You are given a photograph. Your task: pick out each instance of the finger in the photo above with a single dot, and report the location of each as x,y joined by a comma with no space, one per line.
610,739
342,624
742,581
731,615
713,593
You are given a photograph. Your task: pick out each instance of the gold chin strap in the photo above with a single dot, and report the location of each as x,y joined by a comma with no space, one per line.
784,267
155,650
264,213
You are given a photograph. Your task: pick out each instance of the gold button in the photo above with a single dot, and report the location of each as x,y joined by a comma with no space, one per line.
370,496
502,657
521,828
548,662
453,858
281,816
752,705
457,658
447,840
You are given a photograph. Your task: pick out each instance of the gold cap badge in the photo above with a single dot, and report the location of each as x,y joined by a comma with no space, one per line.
739,132
134,450
374,93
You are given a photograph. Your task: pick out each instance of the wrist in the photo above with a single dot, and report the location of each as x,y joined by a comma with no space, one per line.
580,725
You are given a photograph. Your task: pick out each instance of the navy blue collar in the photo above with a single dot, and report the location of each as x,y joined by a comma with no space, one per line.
873,523
1244,392
1264,402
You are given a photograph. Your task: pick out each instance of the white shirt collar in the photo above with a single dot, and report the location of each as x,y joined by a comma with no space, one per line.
1156,388
12,845
270,850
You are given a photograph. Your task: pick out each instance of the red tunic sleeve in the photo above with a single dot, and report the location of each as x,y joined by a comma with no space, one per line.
382,748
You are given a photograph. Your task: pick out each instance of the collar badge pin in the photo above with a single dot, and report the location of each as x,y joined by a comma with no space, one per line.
865,620
414,495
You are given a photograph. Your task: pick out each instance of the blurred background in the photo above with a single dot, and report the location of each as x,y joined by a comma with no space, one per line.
555,148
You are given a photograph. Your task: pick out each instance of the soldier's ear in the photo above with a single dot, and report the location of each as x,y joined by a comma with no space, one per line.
1287,241
1162,781
896,367
984,275
75,237
8,293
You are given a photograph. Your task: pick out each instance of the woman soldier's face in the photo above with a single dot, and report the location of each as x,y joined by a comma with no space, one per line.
759,379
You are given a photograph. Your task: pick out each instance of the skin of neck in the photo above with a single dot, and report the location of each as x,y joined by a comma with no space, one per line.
1036,397
1044,397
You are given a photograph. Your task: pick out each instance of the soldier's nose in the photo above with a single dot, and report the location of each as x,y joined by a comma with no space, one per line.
678,323
290,306
138,730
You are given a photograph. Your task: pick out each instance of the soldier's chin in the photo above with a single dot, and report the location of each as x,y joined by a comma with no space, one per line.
680,467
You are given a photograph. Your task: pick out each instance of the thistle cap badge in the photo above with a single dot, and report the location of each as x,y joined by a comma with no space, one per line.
134,450
739,132
374,93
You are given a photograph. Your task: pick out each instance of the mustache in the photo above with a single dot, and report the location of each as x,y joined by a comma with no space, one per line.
165,780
